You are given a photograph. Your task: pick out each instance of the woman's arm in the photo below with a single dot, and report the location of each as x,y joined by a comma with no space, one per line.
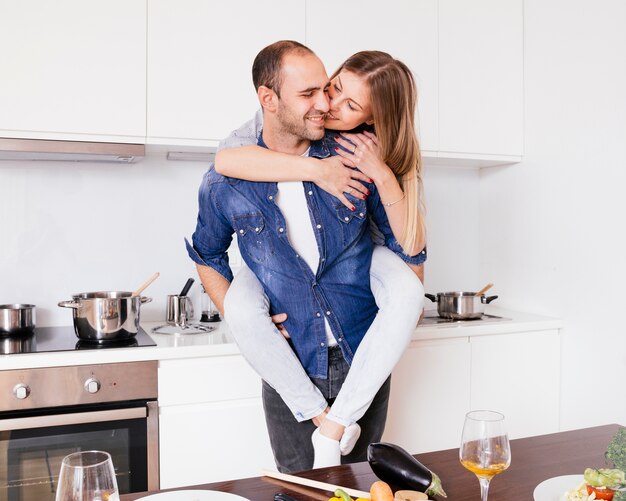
365,156
254,163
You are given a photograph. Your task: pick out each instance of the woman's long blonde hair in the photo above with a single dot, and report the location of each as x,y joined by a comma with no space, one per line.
393,96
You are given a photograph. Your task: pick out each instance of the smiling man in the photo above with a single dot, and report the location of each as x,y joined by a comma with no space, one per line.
310,253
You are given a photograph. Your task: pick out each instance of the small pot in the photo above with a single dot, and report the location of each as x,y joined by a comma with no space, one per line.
460,305
17,319
105,316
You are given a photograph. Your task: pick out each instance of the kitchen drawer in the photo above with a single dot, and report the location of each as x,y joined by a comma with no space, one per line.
211,379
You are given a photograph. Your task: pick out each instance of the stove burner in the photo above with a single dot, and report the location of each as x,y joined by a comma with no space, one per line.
432,318
46,339
86,344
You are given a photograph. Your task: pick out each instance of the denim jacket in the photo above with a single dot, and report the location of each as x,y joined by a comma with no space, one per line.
340,288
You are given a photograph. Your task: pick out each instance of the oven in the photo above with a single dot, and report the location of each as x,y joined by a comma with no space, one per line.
47,413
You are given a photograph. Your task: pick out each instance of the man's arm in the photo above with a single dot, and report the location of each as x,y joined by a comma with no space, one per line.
214,284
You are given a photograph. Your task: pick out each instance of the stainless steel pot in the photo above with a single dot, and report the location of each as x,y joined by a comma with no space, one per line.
105,316
460,305
17,319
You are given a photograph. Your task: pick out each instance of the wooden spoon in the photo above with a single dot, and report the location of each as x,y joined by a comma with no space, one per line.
141,289
484,289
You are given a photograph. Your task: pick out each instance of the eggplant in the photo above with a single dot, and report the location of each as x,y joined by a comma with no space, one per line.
392,464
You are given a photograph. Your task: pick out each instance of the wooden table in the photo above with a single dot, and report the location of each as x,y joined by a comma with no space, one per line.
533,460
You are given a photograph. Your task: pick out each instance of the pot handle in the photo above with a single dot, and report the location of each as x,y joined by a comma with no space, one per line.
145,299
487,300
432,297
69,304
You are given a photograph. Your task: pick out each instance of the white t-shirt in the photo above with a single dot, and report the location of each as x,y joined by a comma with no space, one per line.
291,200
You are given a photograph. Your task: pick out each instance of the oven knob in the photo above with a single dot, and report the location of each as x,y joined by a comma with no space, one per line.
21,391
92,385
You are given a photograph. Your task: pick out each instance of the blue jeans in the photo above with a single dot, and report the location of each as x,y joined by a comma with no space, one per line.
291,440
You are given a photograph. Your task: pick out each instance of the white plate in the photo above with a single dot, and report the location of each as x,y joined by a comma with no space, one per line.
194,495
554,489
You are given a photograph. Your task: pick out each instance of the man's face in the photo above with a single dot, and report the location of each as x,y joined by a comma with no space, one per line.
303,101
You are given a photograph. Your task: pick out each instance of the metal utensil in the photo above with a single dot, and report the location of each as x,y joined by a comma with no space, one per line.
105,316
186,288
484,289
17,319
142,288
460,305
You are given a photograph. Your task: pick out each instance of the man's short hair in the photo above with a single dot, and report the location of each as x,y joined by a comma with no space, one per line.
266,69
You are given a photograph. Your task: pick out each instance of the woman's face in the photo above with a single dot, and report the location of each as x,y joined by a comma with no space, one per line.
349,97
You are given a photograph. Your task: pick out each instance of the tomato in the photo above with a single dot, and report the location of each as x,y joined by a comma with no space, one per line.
605,493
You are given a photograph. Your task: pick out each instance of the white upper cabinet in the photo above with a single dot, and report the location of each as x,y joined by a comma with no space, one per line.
481,77
406,29
200,56
467,57
73,69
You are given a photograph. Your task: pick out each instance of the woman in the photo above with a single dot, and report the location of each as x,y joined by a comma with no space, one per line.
370,91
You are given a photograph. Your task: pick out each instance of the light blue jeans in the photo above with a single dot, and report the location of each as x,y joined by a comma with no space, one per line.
399,295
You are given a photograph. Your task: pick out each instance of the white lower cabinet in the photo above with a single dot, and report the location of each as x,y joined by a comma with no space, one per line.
518,375
211,421
212,425
430,394
438,381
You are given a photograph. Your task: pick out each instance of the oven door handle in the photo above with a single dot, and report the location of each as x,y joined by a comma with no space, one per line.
31,422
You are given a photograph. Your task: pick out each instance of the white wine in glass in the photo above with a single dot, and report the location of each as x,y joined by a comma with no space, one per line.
87,476
485,449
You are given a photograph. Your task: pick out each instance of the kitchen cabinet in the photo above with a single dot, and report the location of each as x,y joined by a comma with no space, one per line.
211,421
430,394
518,375
406,29
438,381
467,58
73,70
200,58
481,77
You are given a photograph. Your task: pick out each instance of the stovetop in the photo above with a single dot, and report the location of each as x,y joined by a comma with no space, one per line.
431,317
48,339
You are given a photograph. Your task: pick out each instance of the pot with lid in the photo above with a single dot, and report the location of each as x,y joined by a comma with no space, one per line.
17,319
460,305
106,316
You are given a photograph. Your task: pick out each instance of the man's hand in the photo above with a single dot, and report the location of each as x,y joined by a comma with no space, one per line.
278,321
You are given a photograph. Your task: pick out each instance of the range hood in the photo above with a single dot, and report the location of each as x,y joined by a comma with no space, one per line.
73,151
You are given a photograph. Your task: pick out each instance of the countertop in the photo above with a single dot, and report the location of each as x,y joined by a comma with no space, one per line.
219,342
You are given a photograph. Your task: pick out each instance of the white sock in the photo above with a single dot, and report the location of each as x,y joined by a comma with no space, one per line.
326,450
350,436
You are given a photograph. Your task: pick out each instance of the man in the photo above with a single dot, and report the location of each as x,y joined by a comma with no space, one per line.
320,279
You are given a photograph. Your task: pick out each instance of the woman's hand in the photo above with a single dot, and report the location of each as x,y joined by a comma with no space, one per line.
364,154
335,178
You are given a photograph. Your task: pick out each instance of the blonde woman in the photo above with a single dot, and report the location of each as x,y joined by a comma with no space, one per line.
372,95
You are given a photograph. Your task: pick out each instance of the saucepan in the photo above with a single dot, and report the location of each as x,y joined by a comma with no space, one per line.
105,316
460,305
17,319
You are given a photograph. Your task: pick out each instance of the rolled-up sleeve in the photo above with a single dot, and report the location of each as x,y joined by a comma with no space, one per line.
382,233
213,234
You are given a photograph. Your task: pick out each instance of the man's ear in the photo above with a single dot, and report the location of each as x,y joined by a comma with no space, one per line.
267,98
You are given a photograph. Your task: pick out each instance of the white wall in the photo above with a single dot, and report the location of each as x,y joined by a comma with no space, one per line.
77,227
552,228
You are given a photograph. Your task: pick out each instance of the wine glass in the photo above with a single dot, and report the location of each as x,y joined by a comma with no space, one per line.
485,449
87,476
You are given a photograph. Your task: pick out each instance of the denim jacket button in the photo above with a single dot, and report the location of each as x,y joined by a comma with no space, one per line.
318,226
318,314
328,313
340,339
271,197
310,192
241,231
346,219
281,229
322,345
